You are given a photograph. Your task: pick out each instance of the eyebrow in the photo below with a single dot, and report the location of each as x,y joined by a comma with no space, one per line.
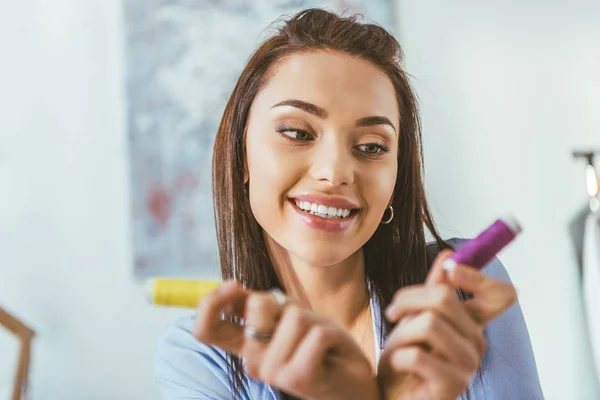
374,120
304,106
322,113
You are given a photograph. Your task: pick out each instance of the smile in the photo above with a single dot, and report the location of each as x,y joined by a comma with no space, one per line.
322,210
323,218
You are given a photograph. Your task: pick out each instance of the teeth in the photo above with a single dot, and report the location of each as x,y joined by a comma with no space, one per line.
323,211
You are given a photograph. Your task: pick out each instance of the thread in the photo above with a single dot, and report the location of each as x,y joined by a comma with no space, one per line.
480,251
178,292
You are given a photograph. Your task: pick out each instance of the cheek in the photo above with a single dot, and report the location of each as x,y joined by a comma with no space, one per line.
379,188
271,174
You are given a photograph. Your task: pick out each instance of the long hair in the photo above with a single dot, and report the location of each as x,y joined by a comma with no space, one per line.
397,254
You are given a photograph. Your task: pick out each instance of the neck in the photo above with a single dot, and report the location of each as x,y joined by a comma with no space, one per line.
338,292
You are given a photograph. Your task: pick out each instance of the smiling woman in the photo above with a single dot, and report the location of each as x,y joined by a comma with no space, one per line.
321,218
327,147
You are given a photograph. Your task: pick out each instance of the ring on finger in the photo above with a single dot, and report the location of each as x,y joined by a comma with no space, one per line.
257,334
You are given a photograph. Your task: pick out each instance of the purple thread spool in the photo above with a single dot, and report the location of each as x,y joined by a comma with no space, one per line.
481,250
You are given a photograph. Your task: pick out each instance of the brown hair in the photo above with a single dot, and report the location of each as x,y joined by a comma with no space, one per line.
397,254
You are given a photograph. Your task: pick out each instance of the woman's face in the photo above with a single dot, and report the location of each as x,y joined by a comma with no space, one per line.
321,154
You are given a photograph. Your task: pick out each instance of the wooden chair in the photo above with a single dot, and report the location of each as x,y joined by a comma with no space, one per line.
25,335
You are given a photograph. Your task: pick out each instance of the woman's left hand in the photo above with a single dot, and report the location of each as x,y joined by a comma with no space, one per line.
286,345
435,349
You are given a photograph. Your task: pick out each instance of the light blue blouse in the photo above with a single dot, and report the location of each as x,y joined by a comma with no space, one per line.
188,369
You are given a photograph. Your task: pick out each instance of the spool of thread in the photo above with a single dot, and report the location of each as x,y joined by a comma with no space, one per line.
178,292
481,250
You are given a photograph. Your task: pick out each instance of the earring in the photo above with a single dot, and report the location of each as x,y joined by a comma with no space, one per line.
387,221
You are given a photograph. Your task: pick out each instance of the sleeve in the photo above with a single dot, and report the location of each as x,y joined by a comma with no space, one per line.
187,369
508,369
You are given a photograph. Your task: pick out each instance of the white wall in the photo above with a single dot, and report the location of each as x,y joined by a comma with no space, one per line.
64,217
507,89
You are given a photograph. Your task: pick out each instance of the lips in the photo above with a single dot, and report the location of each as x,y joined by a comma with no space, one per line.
322,210
326,224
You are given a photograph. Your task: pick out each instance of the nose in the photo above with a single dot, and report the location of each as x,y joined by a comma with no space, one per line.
332,163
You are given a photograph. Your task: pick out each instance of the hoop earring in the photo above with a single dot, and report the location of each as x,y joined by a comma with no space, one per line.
387,221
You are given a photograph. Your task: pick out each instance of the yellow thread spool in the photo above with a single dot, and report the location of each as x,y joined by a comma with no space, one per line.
178,292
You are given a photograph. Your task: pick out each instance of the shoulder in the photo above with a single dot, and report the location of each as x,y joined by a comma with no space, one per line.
184,366
178,337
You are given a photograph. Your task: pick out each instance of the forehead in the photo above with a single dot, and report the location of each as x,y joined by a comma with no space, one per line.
340,83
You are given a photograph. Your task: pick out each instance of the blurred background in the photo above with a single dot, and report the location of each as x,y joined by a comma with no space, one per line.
507,90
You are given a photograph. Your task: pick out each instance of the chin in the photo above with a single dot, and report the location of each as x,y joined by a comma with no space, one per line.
322,255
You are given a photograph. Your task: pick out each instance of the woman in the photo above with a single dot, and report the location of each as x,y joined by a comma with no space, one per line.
318,194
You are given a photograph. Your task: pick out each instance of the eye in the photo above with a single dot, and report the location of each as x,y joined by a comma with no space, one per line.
295,134
372,148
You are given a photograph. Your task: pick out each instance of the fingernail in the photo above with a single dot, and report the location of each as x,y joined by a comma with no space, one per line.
219,289
449,265
389,312
224,286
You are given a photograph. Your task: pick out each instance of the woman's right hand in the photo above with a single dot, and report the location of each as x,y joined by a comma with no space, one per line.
435,349
307,355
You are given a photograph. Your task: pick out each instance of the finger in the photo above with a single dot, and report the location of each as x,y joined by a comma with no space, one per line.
210,328
491,296
291,329
313,356
235,309
437,273
441,299
262,315
441,377
485,311
442,338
